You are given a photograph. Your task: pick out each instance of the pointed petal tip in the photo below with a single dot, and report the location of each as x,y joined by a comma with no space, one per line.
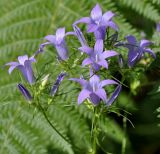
96,12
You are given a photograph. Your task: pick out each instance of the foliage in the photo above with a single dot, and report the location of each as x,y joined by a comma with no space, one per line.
23,24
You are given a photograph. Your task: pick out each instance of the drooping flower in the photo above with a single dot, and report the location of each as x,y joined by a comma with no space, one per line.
94,90
98,23
58,41
97,58
24,65
136,49
57,83
24,92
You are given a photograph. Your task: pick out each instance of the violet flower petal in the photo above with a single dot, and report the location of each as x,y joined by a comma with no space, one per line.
94,80
60,34
96,66
32,59
24,66
96,13
23,71
51,39
94,98
11,68
103,63
86,20
112,25
132,57
131,39
108,16
41,48
100,33
84,94
12,65
29,71
86,61
82,82
107,82
145,43
150,52
98,47
62,50
109,53
101,94
91,28
70,33
86,49
22,59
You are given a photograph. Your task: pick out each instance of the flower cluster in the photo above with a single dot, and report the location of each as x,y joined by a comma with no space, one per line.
136,49
97,57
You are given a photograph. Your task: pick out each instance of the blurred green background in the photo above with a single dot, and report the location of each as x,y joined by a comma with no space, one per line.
23,25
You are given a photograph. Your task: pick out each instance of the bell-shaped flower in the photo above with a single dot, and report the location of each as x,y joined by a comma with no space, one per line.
136,49
58,41
24,92
24,65
97,57
98,23
94,90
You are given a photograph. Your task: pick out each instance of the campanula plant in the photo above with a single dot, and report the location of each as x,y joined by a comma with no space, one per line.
24,64
136,49
93,89
97,23
98,62
97,57
58,41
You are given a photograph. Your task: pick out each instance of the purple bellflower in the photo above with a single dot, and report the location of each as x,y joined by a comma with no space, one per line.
98,23
97,56
24,92
136,49
57,40
24,65
57,83
93,90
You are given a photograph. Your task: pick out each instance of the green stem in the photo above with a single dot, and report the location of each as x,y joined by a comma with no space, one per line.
94,130
124,139
46,117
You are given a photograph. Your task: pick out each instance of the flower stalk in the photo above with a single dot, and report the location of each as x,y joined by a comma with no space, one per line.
94,130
